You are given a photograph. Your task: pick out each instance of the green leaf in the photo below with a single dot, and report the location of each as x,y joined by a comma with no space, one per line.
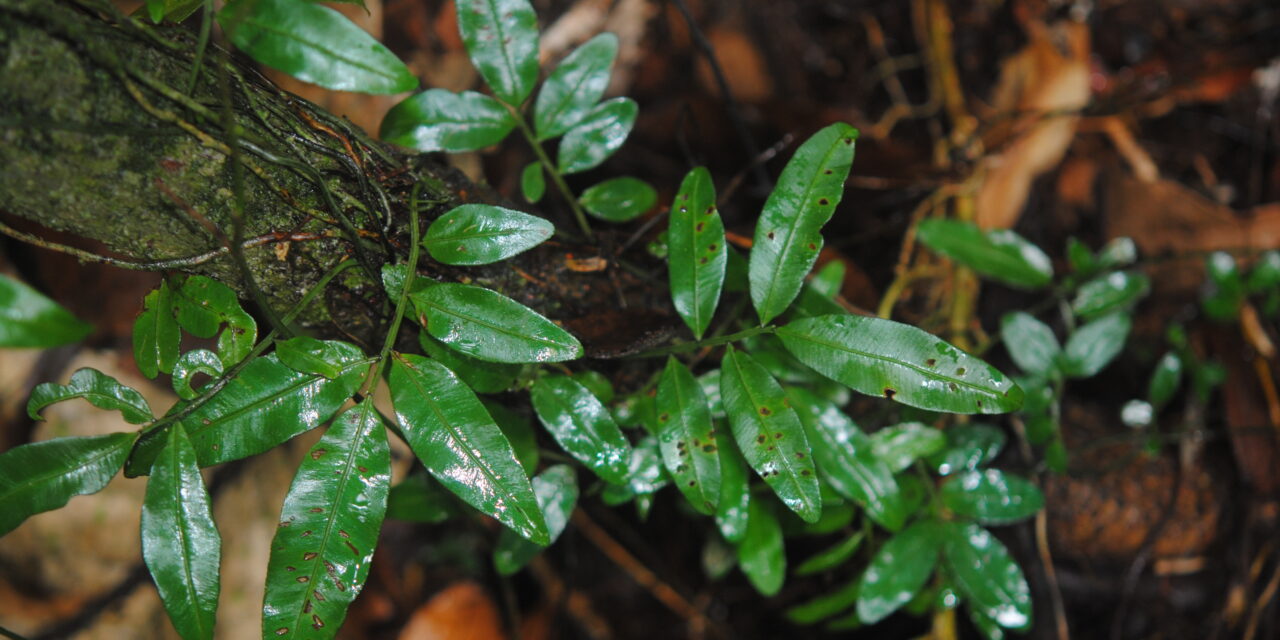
991,496
202,305
193,362
710,383
314,44
898,571
419,498
1119,252
180,542
328,528
459,443
687,437
846,462
788,238
969,446
519,432
644,474
597,135
533,184
44,475
1165,380
576,85
697,253
1226,292
100,389
156,334
619,199
902,444
826,605
1110,292
490,326
769,433
1031,343
305,354
440,120
1080,257
900,362
733,509
833,556
986,574
1094,345
28,319
1265,275
474,234
501,37
597,383
1001,255
827,281
265,405
557,493
481,376
760,553
582,425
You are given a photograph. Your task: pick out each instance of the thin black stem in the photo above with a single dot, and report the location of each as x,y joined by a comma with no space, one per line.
684,347
550,168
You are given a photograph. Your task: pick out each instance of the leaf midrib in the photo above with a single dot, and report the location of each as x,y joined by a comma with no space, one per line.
37,479
695,453
329,52
786,461
583,428
489,325
189,584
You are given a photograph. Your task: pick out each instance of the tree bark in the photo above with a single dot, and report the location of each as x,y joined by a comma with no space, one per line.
109,134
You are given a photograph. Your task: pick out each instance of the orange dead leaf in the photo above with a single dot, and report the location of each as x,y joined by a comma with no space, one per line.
462,611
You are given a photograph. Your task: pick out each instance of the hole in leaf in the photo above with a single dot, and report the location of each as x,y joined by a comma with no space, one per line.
824,202
693,483
931,362
713,246
770,236
889,393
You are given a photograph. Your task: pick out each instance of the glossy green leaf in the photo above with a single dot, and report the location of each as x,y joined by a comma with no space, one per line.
45,475
501,37
900,362
473,234
1226,289
100,389
180,543
440,120
644,474
1031,343
769,433
173,10
519,432
202,305
480,375
191,363
314,44
836,515
686,437
597,383
831,557
556,489
898,570
419,498
710,383
826,605
986,574
1265,275
305,354
760,553
991,496
533,183
582,425
788,236
265,405
1001,255
846,462
826,281
28,319
969,446
619,199
1110,292
1094,345
1165,380
459,443
902,444
156,334
597,135
811,303
987,627
490,326
328,528
733,509
1119,252
697,251
574,87
773,356
1080,257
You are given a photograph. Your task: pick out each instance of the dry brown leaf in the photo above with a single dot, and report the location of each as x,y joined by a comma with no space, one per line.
462,611
1043,84
741,62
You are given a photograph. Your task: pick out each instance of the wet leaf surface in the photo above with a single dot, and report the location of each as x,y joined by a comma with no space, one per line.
619,199
760,553
501,37
574,87
328,528
305,354
1001,255
991,496
769,433
697,253
556,489
490,326
100,389
29,319
1093,346
156,334
686,437
458,442
1110,292
474,234
1031,343
788,236
986,574
582,425
899,362
898,570
439,120
902,444
969,446
733,509
597,136
44,475
180,542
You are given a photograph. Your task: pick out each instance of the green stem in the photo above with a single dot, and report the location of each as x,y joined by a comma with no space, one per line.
683,347
551,169
398,316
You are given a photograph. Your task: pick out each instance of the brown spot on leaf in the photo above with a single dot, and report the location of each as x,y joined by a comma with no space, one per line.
764,411
352,547
710,448
777,436
931,362
310,555
282,630
316,454
770,235
823,201
761,438
316,622
303,579
889,393
699,226
316,510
